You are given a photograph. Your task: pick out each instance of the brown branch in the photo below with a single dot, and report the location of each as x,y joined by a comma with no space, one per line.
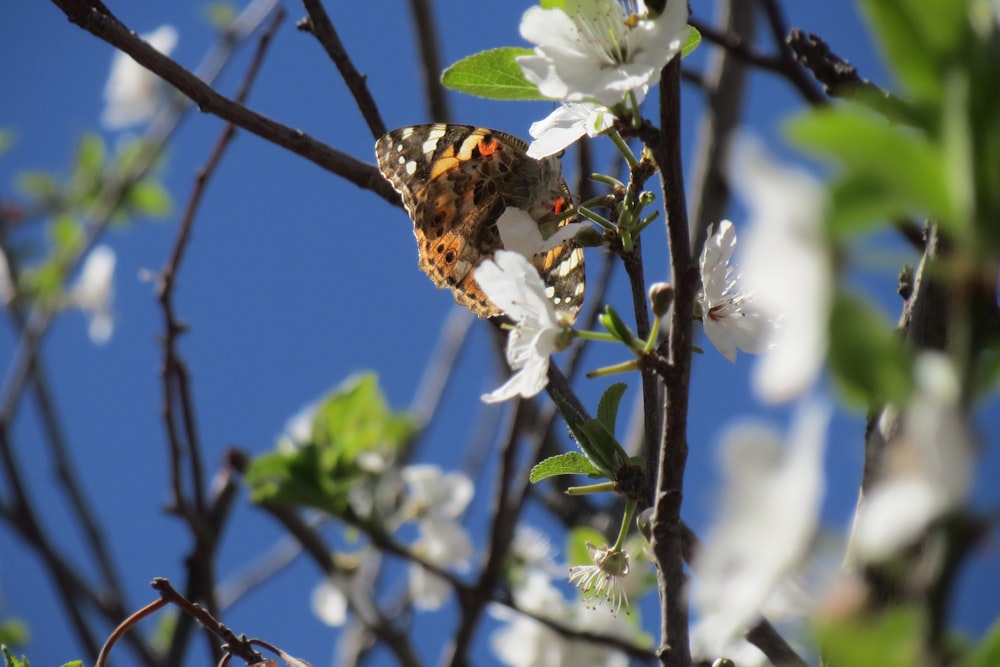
782,64
321,27
674,650
425,28
107,27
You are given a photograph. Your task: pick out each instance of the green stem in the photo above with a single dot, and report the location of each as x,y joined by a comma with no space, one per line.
630,506
624,367
654,331
603,487
597,335
623,147
597,219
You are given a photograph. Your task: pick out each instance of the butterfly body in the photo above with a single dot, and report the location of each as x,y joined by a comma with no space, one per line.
455,182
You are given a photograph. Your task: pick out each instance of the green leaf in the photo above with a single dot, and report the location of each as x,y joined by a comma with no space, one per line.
353,420
607,409
691,42
601,448
570,463
66,233
14,632
10,661
919,38
149,198
74,663
38,184
860,205
903,164
90,155
6,139
894,639
987,653
870,363
221,15
492,74
552,4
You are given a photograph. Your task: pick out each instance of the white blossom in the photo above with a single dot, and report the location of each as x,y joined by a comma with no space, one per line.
600,50
785,264
7,290
436,500
133,94
767,519
524,642
730,319
94,292
929,467
565,125
329,604
514,286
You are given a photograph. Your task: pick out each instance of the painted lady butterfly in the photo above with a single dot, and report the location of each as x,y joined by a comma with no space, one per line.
456,181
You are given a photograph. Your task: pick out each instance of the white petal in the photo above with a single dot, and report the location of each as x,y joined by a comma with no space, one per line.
767,520
427,590
94,292
527,382
514,286
786,212
329,604
133,94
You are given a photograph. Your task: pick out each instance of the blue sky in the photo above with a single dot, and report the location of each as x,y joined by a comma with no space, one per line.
295,279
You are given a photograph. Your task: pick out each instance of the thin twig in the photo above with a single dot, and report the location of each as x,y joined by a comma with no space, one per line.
724,88
425,29
320,25
107,27
178,402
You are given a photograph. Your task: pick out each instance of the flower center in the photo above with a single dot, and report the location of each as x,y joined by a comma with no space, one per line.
607,29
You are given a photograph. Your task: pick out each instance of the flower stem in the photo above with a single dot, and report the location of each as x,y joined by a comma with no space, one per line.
624,367
603,487
624,149
597,218
630,506
596,335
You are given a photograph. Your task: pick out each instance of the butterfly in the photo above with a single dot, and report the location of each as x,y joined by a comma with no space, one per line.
456,181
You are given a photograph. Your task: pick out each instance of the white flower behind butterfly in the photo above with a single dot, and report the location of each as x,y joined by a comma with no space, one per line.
133,94
600,50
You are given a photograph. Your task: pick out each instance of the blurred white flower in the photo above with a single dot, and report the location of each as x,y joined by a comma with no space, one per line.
599,50
520,233
768,517
565,125
7,291
524,642
133,94
786,266
94,292
929,468
329,603
436,500
514,286
729,316
531,549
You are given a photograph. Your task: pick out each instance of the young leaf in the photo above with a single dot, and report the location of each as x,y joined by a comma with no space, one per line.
607,409
10,661
570,463
987,653
869,362
892,640
691,42
904,164
492,74
149,198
